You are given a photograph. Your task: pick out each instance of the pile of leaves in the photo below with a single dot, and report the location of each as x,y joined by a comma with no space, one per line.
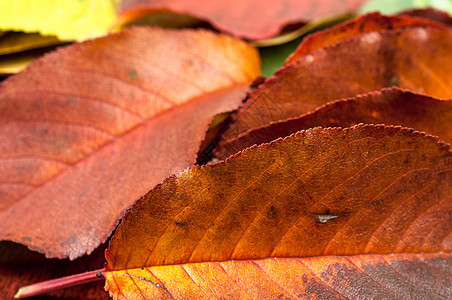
331,179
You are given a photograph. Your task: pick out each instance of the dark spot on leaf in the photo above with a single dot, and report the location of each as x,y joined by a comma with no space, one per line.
271,213
26,239
71,100
280,296
99,274
133,74
411,130
305,278
8,234
179,223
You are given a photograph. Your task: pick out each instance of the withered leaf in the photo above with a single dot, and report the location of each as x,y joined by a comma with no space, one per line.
356,27
367,191
87,130
388,106
414,59
250,19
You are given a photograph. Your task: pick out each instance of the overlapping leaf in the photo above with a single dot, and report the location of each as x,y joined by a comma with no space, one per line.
416,59
87,130
246,226
251,19
356,27
389,106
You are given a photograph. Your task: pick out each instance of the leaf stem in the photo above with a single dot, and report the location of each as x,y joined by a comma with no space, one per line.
59,283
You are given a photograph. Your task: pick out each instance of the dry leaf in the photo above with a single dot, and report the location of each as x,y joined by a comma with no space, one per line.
87,130
251,19
414,59
328,193
389,106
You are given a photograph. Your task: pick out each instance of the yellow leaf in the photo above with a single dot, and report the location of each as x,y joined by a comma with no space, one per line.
66,19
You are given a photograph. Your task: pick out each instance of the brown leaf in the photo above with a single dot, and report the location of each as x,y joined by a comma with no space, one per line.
251,19
415,59
356,27
321,192
388,106
88,129
429,13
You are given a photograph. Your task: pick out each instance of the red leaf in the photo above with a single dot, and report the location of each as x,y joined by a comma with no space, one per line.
87,130
356,27
415,59
251,19
431,14
389,106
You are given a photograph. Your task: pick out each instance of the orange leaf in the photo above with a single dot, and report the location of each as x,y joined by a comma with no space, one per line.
321,192
356,27
415,59
393,276
251,19
388,106
88,129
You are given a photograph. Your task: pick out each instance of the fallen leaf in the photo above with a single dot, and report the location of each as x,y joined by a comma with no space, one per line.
356,27
431,14
13,42
388,106
87,130
68,20
324,209
250,19
393,276
414,59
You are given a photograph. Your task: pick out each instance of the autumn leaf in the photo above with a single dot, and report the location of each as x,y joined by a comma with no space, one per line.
87,130
415,59
431,14
354,28
68,20
251,19
388,106
323,212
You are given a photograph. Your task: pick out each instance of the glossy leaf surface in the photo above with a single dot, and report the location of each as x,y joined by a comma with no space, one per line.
250,19
389,106
415,59
320,192
111,118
